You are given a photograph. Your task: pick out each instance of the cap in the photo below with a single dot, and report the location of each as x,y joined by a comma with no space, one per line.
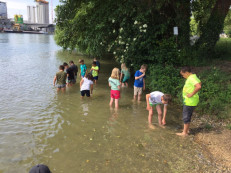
40,169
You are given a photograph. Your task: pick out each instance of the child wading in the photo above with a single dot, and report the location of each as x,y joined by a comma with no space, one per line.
97,63
114,83
190,97
86,85
157,98
94,71
126,73
83,68
74,68
70,75
139,84
60,79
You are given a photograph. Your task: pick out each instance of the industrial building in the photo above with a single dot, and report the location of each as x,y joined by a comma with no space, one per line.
4,21
3,10
31,14
42,11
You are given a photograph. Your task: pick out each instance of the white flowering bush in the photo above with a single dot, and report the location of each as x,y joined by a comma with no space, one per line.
130,32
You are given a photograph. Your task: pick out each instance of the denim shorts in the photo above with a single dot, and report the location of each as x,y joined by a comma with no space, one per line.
95,78
187,113
61,86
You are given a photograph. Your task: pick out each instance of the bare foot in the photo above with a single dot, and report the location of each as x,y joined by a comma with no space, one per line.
151,126
163,123
182,134
162,126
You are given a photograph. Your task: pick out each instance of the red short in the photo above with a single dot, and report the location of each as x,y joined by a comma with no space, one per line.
115,94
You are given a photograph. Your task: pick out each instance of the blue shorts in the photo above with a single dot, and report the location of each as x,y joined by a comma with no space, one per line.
61,86
95,78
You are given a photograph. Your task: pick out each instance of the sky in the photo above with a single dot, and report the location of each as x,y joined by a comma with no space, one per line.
20,7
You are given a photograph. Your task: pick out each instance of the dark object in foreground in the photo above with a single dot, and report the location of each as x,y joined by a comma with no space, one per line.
40,169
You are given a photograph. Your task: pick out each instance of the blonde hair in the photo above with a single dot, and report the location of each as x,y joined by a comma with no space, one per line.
81,60
123,66
115,74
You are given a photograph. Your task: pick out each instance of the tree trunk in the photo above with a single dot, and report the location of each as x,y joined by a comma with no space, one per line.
214,26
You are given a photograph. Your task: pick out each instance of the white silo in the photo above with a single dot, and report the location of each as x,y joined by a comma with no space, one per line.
3,10
42,11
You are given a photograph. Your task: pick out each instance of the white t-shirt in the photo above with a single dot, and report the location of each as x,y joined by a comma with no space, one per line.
155,97
86,84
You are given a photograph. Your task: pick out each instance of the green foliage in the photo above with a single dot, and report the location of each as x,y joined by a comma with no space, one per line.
201,10
194,27
214,26
215,94
229,126
166,79
222,49
208,126
227,24
134,31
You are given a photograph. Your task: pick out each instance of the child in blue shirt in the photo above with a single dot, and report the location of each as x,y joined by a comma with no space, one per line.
139,84
83,68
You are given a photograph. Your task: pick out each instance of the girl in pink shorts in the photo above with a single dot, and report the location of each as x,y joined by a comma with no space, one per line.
114,83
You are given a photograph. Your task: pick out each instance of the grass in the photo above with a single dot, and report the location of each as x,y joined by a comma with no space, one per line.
229,126
223,48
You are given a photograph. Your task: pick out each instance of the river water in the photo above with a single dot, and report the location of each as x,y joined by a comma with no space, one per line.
70,135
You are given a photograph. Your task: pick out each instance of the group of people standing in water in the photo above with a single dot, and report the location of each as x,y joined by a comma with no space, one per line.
67,76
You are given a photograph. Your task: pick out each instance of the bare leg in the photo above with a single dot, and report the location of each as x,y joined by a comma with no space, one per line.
58,89
159,111
150,115
95,81
116,103
122,84
63,89
134,98
126,84
185,131
111,102
139,97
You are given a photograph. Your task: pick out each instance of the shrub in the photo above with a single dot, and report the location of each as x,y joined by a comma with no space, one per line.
166,79
215,94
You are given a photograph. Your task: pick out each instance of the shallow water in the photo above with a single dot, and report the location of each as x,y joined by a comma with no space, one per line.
68,134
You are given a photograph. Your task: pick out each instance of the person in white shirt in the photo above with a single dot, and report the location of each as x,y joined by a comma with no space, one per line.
86,85
157,98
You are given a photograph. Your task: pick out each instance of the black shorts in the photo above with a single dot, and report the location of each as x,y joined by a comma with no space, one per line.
95,78
72,81
187,113
87,92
